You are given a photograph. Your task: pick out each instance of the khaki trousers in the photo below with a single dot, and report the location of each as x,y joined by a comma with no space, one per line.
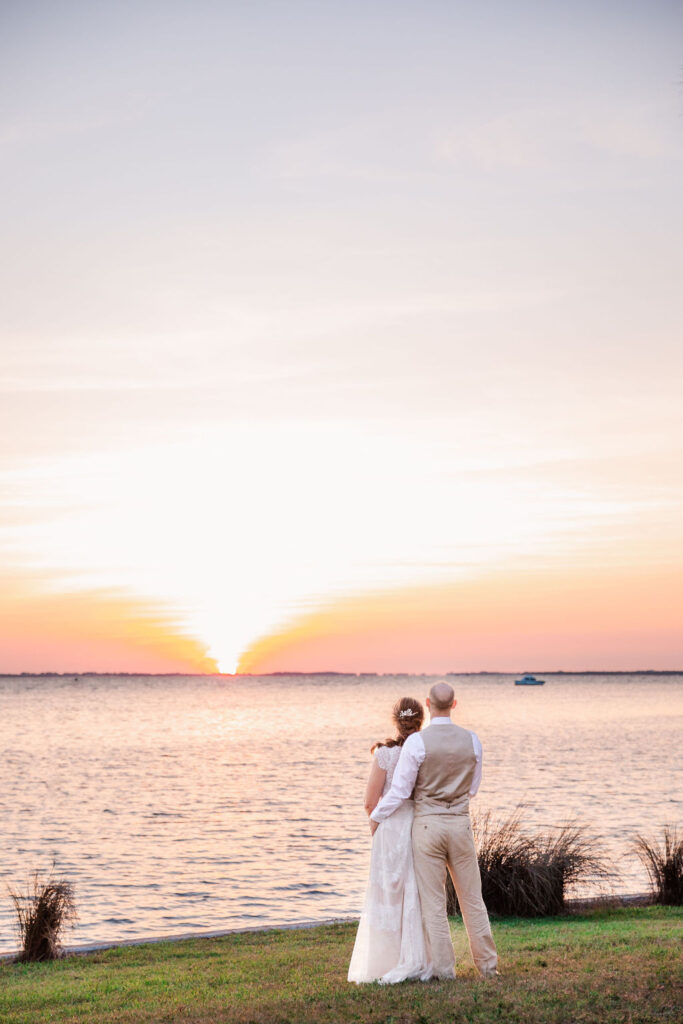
443,841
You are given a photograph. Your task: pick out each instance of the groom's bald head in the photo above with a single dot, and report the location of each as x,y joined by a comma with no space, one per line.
441,697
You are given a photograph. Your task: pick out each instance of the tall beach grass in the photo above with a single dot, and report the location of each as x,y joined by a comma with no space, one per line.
664,864
528,874
43,912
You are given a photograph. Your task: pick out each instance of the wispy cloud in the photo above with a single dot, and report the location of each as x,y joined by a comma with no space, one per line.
563,138
555,617
45,627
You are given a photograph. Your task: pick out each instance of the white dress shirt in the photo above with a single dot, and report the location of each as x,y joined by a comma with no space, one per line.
412,755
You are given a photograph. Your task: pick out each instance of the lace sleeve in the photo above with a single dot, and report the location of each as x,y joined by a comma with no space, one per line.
383,758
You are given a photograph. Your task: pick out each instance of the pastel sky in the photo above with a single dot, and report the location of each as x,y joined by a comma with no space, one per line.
341,336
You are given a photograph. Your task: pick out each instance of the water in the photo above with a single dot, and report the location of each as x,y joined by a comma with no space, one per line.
181,804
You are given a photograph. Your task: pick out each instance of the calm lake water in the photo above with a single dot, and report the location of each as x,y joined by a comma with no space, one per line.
181,804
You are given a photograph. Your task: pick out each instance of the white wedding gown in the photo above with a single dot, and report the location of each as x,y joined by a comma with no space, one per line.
390,945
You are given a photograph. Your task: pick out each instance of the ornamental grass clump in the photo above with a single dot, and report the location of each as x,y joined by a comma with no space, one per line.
42,913
526,874
664,864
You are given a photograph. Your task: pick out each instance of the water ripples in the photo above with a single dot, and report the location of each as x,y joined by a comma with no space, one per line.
173,807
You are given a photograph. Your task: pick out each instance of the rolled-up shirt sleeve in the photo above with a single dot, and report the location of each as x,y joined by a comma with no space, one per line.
476,778
403,782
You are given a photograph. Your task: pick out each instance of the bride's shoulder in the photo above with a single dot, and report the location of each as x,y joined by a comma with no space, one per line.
386,756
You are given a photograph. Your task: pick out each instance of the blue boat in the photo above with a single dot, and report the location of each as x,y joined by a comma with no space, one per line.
529,680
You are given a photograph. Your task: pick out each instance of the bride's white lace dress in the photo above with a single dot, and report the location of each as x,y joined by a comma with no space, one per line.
390,944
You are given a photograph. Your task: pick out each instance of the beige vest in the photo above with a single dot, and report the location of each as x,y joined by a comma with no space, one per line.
445,776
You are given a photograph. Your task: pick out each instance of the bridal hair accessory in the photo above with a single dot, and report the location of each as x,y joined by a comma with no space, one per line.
408,713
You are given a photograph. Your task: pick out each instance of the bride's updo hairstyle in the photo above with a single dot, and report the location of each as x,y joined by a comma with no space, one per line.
408,715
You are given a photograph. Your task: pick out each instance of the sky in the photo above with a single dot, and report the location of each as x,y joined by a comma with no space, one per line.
341,336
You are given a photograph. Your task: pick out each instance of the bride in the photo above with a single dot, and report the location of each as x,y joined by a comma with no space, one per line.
390,944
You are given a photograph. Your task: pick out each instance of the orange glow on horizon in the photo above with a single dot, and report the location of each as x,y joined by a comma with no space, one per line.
96,630
507,621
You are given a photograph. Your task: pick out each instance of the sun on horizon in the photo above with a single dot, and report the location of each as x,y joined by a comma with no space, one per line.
311,361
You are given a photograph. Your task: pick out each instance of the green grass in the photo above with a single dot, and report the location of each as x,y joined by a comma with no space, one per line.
605,966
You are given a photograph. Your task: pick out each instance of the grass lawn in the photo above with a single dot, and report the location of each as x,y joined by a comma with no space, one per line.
605,966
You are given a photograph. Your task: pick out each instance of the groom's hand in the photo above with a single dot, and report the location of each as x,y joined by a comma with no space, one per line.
374,825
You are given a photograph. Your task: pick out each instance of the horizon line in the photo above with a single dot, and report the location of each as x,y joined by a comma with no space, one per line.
335,672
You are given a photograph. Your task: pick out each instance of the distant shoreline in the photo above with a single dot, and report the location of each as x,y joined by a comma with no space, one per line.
357,675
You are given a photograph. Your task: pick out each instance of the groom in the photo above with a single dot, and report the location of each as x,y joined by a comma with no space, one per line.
443,766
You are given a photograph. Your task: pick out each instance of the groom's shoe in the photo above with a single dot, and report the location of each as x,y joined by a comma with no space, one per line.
491,975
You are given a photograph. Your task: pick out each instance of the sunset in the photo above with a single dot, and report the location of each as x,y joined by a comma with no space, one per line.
402,341
340,398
